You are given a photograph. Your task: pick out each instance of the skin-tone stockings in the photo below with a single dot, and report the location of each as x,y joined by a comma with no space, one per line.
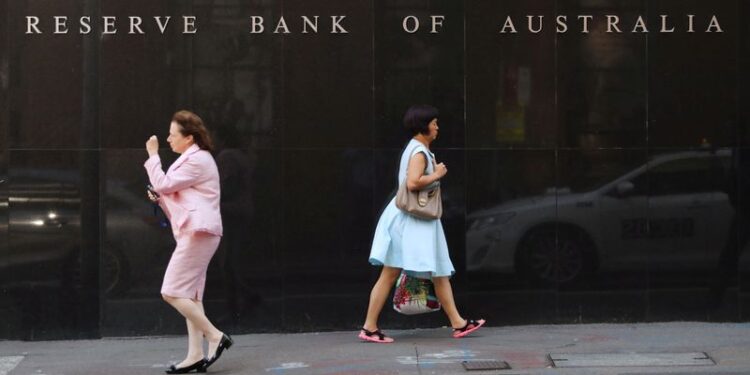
198,327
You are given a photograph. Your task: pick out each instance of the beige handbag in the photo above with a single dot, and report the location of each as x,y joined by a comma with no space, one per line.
425,204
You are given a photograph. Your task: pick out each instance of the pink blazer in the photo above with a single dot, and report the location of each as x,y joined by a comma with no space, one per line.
189,191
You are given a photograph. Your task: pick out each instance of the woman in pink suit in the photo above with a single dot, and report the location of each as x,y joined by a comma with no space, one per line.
189,195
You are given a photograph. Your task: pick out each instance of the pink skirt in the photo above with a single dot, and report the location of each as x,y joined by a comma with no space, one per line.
186,272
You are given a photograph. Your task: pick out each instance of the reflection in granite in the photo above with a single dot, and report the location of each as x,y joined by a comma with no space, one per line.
418,68
43,273
593,176
510,82
692,95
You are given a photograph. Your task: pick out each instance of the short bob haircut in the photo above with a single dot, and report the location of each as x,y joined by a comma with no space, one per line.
418,117
191,124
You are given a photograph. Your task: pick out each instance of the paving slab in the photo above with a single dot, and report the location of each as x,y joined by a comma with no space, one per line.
527,349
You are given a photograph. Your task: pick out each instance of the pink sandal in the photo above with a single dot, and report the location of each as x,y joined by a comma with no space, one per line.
375,336
471,326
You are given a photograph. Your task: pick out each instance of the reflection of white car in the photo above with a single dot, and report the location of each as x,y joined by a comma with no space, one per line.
670,212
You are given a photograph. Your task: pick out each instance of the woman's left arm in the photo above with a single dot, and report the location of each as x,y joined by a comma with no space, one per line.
186,175
416,179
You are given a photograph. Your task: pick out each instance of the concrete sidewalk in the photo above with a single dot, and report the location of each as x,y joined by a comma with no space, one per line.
425,351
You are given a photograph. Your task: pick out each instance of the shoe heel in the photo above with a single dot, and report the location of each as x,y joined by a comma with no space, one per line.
229,343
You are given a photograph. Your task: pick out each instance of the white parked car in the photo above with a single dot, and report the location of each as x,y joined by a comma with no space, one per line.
670,212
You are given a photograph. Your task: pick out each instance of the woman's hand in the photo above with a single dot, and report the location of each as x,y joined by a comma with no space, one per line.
440,170
152,146
415,180
151,196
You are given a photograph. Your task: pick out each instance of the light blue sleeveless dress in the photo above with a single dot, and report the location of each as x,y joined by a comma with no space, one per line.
416,245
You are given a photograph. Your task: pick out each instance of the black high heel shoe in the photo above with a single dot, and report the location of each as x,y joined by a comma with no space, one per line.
199,366
225,343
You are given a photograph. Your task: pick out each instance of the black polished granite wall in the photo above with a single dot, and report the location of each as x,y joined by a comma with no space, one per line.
593,176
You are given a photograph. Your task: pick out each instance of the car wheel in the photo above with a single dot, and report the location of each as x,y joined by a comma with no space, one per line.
115,272
550,259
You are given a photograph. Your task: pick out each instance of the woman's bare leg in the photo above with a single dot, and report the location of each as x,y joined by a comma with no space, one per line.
379,294
193,312
195,345
445,296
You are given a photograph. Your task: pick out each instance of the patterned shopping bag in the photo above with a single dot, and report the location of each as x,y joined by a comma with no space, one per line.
414,296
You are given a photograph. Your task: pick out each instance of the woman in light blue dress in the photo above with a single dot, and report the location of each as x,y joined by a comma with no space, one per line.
405,242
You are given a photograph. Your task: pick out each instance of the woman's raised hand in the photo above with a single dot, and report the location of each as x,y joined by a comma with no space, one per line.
152,146
151,196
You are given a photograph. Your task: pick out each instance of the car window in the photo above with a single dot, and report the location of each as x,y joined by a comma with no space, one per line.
684,176
640,185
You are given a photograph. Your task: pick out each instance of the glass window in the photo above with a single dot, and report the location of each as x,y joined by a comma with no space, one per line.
684,176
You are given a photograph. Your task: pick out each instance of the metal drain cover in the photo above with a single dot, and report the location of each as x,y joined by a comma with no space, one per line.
631,359
485,365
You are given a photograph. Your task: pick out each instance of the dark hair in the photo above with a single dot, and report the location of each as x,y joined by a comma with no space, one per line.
191,124
418,117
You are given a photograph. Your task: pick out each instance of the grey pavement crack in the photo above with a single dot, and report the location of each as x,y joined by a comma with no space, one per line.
416,353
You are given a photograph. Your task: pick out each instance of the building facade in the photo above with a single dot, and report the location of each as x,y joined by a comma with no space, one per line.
592,149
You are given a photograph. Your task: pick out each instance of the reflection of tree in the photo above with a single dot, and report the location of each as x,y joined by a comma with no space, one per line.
614,90
738,236
419,68
231,84
236,167
91,213
232,72
356,182
606,97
